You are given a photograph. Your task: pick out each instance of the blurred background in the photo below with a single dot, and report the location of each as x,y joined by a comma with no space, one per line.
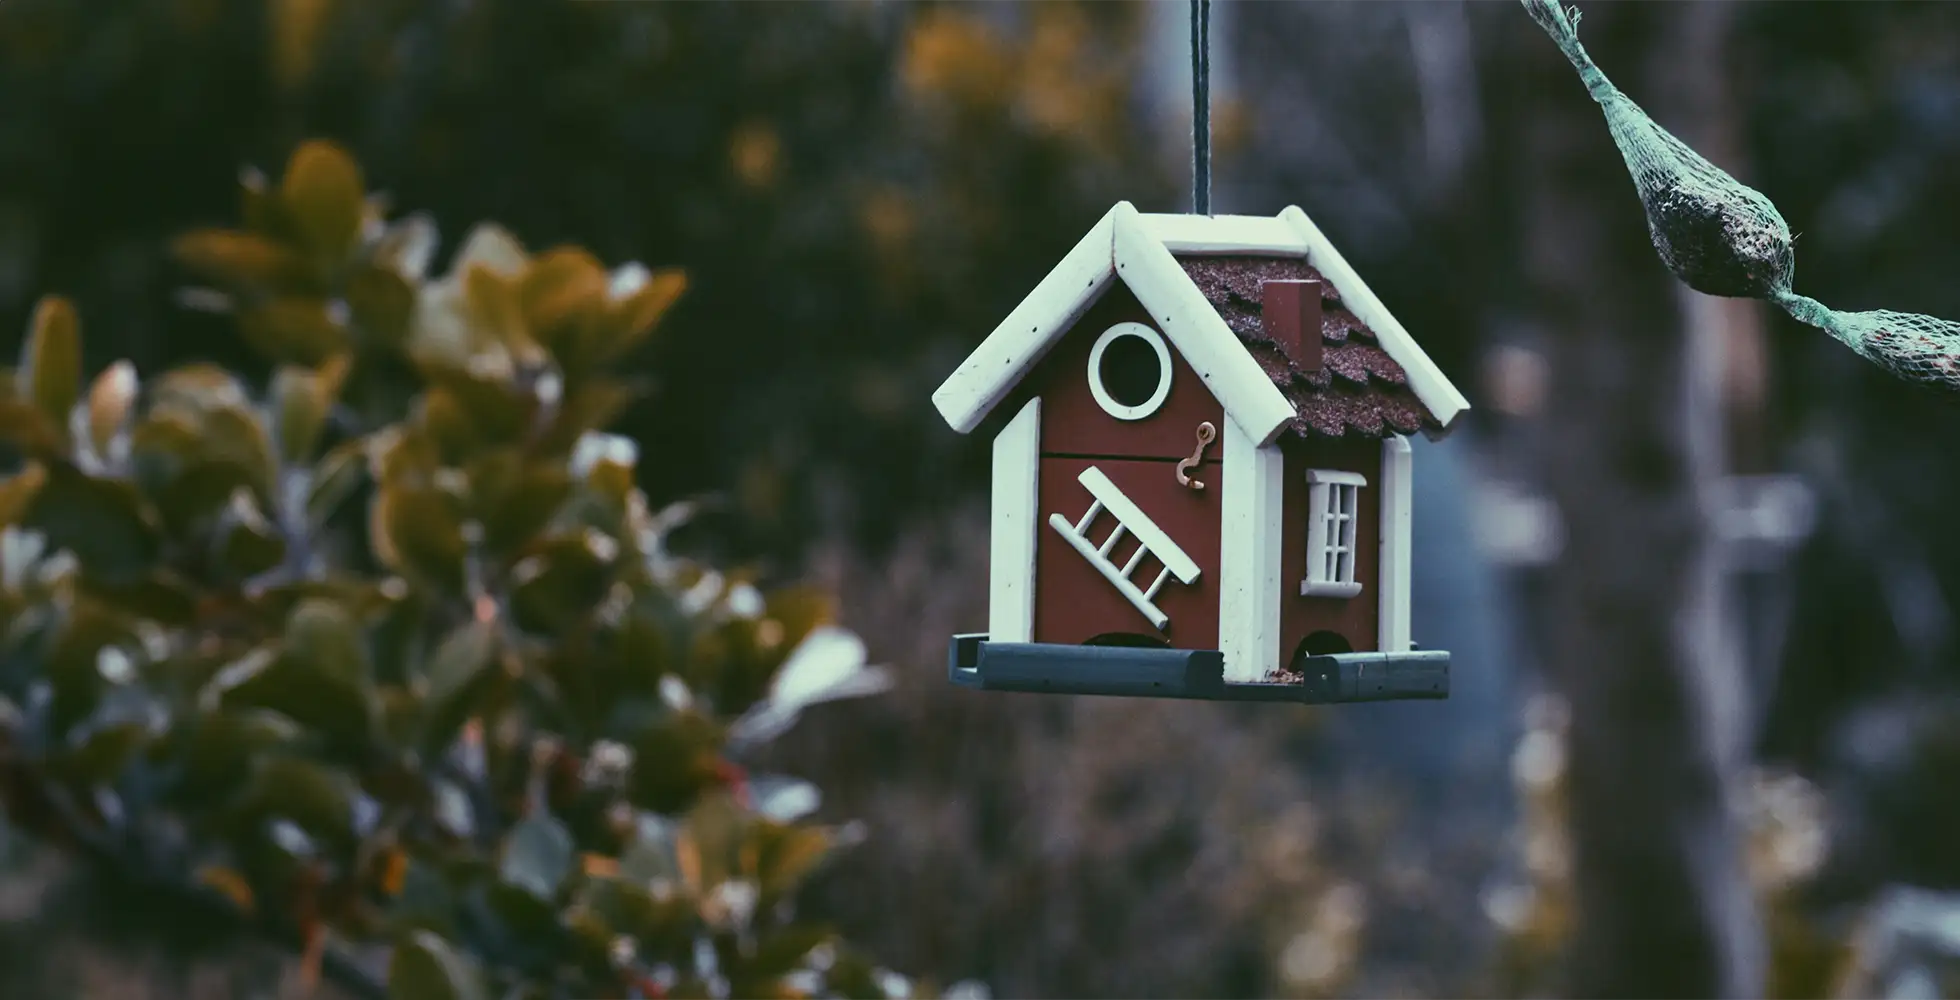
1697,565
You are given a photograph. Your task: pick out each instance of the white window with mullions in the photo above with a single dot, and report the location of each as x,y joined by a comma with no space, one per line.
1334,505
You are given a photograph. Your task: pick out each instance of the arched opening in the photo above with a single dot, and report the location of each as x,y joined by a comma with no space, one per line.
1129,639
1322,643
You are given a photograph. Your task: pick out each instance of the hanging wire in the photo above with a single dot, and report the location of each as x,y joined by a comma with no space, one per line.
1201,106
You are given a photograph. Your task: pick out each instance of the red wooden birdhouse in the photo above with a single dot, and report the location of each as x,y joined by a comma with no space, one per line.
1201,473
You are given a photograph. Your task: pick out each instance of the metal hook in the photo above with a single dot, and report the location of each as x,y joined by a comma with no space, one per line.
1206,432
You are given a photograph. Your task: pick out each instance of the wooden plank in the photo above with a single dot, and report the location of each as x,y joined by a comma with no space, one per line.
1259,235
1180,310
1124,671
1024,337
1398,510
1011,544
972,661
1430,384
1249,552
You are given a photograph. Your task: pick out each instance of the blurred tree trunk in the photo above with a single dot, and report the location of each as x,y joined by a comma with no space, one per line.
1638,634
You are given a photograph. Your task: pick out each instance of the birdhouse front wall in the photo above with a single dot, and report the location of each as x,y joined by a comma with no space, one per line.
1124,550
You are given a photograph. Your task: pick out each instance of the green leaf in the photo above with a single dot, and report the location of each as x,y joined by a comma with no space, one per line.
561,580
51,360
220,746
497,411
382,303
563,291
786,854
589,406
238,260
319,799
321,635
516,499
300,402
71,663
538,856
100,755
337,707
23,425
295,329
426,967
17,492
631,320
673,761
418,531
245,543
235,435
322,193
339,473
780,953
457,671
100,520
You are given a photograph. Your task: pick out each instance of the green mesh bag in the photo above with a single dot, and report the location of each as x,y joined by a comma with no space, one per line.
1722,237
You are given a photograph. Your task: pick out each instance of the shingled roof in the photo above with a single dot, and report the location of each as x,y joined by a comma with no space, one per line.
1358,391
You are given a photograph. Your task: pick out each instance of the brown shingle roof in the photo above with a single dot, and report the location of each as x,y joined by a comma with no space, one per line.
1359,391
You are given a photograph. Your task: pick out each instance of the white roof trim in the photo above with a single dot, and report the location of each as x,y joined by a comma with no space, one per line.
1430,384
1201,336
1019,343
1024,337
1139,248
1246,234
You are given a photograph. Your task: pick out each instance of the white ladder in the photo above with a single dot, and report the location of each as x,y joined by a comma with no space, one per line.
1151,540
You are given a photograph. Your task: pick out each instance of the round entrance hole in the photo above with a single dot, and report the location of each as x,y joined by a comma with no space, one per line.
1130,371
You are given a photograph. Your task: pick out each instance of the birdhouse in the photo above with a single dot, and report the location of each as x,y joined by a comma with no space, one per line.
1201,470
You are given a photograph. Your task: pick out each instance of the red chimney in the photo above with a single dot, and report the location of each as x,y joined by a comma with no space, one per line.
1291,318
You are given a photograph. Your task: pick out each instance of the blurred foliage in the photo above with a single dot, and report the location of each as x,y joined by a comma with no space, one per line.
389,656
1812,951
858,190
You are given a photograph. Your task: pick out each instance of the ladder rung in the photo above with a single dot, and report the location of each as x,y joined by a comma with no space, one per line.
1110,543
1131,566
1150,594
1082,526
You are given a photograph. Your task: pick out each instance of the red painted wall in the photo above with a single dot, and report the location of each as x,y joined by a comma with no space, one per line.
1355,618
1073,601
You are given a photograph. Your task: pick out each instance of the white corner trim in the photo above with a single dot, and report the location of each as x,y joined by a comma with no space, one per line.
1024,337
1249,554
1164,371
1430,384
1207,345
1262,235
1398,510
1010,561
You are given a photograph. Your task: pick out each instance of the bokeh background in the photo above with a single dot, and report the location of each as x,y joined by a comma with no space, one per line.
1698,565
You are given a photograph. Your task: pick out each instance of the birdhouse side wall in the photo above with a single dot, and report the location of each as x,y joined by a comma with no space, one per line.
1355,619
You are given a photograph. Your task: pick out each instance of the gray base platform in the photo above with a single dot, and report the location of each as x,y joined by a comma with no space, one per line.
1143,672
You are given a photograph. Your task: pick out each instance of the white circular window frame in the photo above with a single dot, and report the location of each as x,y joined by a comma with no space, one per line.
1107,401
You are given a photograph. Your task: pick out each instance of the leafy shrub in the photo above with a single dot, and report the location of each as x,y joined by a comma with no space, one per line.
477,742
